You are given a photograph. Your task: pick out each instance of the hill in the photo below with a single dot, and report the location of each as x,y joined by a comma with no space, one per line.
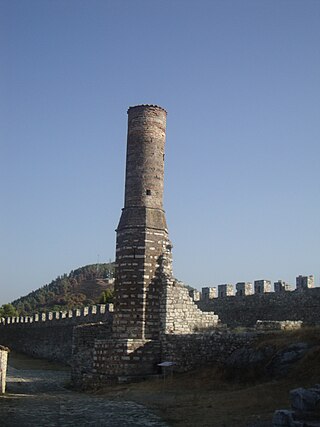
84,286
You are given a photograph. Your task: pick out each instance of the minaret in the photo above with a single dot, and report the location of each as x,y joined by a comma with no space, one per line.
142,236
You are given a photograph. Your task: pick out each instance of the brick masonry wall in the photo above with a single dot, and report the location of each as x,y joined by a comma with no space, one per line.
246,310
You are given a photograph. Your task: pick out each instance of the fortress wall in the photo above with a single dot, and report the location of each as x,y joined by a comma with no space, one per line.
52,342
246,310
50,339
77,316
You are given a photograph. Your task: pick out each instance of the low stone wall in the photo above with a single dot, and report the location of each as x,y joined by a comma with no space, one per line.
246,310
112,359
275,325
49,338
190,351
3,368
83,343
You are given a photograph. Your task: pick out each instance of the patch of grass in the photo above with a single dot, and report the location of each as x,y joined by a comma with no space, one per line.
205,398
21,361
280,339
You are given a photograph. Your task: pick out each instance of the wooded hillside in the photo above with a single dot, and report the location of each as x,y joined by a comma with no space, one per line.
83,286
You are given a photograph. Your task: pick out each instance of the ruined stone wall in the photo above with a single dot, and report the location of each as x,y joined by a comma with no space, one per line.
192,350
112,359
3,368
180,315
246,310
49,338
278,325
83,343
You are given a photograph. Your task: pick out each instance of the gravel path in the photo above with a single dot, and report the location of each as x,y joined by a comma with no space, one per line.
38,398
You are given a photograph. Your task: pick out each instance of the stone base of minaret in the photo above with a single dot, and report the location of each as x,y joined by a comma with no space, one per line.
119,357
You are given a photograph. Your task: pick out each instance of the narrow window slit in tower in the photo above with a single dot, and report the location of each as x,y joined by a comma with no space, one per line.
148,192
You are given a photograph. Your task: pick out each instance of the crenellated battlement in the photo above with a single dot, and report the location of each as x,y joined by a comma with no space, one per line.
272,306
94,313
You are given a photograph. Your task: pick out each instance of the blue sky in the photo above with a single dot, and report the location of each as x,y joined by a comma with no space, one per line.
240,81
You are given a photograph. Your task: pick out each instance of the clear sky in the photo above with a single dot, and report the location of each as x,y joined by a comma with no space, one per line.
241,83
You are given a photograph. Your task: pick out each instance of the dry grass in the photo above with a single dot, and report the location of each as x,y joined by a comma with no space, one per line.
280,339
201,399
204,398
21,361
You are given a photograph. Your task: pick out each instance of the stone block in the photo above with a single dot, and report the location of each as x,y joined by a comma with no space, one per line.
302,399
283,418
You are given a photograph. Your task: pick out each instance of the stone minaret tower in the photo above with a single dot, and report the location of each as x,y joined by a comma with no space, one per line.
142,236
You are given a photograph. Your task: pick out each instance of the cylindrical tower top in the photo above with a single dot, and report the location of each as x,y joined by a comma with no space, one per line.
144,106
145,156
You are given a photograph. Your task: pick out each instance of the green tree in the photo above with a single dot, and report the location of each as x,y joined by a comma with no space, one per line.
106,297
8,310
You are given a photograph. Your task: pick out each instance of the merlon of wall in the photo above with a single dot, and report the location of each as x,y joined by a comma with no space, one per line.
85,314
52,339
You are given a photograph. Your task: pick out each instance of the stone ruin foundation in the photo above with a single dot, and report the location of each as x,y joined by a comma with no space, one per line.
3,368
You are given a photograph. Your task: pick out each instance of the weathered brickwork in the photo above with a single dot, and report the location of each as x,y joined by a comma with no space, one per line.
3,367
126,357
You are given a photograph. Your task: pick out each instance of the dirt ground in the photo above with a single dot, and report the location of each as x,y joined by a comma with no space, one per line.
199,398
38,396
204,398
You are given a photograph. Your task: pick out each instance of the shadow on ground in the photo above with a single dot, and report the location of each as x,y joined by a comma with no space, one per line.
38,397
